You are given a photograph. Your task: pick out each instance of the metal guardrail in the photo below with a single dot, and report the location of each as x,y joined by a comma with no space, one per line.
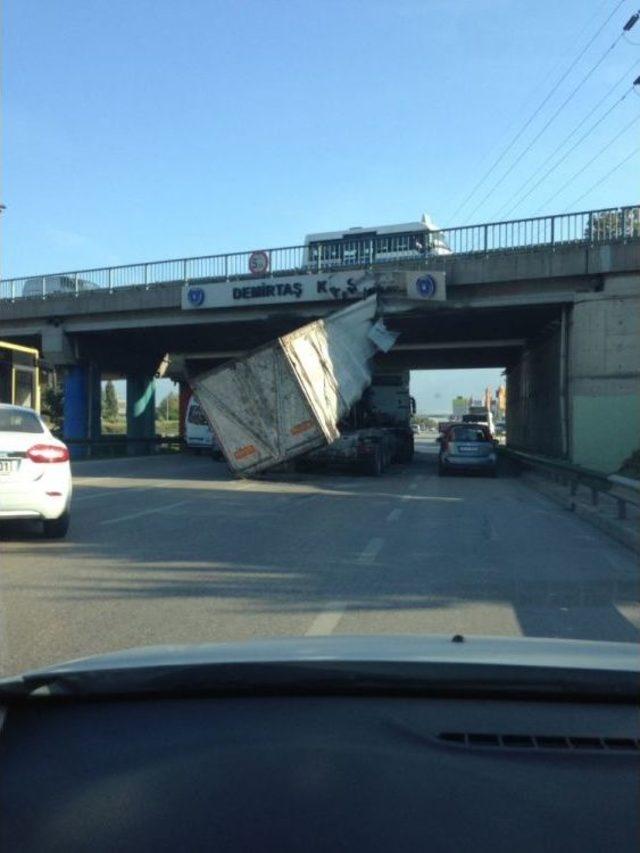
120,445
621,490
585,227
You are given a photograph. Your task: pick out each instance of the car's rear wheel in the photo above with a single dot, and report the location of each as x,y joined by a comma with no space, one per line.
56,528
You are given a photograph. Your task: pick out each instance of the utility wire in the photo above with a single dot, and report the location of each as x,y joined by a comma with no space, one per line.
569,151
593,159
565,140
545,100
603,179
550,75
545,126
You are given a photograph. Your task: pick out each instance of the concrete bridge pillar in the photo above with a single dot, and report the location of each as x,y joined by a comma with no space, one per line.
604,375
575,392
82,406
141,411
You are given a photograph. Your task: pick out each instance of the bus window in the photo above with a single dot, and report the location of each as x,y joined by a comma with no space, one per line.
24,393
19,375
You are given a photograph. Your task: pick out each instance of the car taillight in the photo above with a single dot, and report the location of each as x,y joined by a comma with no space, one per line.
48,453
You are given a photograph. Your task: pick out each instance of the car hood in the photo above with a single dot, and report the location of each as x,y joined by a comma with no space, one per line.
353,663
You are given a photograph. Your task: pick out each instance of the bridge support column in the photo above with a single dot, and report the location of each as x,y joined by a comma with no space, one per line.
141,412
82,405
603,375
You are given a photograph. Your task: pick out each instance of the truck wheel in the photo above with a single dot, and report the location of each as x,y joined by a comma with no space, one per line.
56,528
374,466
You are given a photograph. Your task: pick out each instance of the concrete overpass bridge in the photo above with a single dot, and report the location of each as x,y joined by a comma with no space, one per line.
554,300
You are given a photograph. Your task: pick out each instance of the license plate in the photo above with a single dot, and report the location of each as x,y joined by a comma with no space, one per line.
6,466
468,448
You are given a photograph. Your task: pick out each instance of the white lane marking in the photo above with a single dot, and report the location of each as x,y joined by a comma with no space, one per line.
82,498
394,515
326,622
370,550
130,516
134,490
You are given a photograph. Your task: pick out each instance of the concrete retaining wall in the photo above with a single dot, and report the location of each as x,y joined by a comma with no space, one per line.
533,398
604,375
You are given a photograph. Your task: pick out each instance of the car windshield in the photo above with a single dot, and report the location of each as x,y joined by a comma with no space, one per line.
14,420
197,416
279,358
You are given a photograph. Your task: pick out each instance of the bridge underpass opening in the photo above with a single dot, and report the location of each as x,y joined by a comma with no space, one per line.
446,394
571,358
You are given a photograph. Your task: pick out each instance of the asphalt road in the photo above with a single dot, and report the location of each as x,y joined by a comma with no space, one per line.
171,549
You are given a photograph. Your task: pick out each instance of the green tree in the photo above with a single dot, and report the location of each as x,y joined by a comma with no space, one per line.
169,408
109,402
52,405
613,225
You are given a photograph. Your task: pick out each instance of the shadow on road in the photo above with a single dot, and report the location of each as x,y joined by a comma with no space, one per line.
268,549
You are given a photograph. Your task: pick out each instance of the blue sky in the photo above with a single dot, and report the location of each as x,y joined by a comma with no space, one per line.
152,129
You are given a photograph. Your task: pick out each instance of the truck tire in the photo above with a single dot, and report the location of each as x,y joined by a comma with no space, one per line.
373,466
56,528
409,451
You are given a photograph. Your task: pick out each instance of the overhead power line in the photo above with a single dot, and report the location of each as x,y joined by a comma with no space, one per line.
549,121
508,205
536,112
569,151
593,159
603,179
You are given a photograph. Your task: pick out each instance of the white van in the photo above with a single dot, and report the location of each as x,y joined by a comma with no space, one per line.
197,432
45,285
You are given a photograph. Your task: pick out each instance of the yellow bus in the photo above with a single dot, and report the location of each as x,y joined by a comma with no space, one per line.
19,375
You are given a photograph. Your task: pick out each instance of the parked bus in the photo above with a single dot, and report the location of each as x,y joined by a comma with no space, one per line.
379,244
19,375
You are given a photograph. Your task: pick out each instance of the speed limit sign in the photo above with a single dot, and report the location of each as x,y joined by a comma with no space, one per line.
258,263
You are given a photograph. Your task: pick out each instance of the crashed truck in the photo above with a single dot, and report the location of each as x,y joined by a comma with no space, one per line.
311,398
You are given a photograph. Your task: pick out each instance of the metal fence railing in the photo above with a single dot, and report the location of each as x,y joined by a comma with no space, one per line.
121,445
586,227
623,491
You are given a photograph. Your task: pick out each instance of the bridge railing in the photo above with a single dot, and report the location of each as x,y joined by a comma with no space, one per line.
585,227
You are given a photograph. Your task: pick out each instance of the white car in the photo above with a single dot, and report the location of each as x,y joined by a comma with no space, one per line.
35,474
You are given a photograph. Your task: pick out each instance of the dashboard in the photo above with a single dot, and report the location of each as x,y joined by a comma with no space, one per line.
318,773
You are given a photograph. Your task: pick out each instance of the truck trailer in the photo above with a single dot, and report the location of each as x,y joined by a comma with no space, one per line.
293,395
